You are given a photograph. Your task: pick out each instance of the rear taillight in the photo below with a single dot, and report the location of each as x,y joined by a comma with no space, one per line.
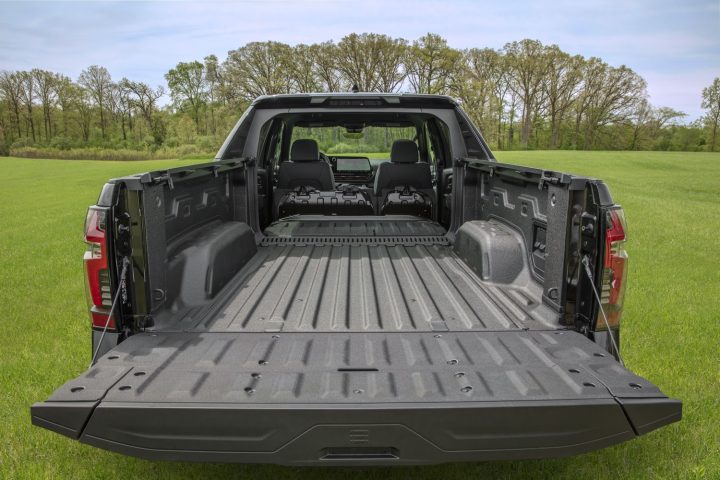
614,269
97,273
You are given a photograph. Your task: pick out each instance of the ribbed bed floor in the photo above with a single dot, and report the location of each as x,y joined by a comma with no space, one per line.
365,283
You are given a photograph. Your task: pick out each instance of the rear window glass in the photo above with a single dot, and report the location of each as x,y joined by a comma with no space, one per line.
371,142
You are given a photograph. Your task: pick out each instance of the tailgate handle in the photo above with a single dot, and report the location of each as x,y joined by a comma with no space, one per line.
359,453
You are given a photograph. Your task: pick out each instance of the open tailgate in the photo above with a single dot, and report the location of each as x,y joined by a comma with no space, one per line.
356,398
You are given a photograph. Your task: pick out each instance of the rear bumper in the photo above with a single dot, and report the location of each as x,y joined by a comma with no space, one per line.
357,434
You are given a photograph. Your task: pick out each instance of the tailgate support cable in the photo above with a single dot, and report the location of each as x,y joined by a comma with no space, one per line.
586,263
121,290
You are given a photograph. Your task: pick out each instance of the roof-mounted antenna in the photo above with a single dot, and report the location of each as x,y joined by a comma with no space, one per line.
355,88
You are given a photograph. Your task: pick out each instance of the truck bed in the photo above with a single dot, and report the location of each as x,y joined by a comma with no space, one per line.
379,346
363,276
354,340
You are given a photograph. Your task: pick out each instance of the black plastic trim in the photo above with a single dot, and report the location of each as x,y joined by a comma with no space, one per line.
302,434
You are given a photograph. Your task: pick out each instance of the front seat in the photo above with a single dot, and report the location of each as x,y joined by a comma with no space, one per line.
403,172
305,169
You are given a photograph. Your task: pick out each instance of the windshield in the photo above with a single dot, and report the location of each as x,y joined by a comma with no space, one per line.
371,142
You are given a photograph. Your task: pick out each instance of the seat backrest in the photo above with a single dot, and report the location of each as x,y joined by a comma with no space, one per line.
403,169
305,169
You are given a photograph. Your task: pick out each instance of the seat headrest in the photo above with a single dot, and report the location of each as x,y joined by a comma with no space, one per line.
404,151
304,150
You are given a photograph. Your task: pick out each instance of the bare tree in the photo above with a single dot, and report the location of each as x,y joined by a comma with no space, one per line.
476,82
258,68
646,122
82,102
305,76
4,134
325,55
528,64
27,94
122,106
11,88
214,81
371,61
620,90
64,93
45,83
593,72
494,68
99,83
711,103
188,87
430,64
143,97
562,85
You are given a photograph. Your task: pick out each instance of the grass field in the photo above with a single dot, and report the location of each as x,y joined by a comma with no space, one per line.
671,328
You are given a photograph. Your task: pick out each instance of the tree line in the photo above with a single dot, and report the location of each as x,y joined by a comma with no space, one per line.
525,95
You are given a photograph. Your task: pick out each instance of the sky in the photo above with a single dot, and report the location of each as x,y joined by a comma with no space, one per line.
674,45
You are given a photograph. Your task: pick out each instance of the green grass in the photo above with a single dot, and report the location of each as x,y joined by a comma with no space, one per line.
671,328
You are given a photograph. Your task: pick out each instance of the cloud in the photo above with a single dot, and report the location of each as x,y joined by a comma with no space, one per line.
680,90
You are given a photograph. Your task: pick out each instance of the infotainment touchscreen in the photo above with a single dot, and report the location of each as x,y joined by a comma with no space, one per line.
352,164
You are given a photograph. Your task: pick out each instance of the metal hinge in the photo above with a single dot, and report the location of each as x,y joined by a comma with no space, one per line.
167,178
545,178
461,162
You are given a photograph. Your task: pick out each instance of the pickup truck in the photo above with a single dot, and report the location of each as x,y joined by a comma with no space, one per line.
286,305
